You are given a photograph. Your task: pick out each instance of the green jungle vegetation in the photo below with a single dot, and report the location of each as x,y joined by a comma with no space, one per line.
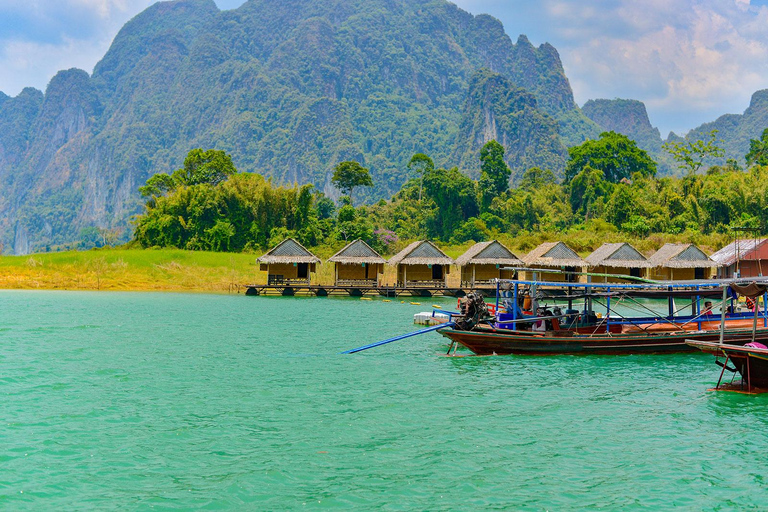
610,193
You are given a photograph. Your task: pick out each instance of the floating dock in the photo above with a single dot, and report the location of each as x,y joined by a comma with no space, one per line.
320,290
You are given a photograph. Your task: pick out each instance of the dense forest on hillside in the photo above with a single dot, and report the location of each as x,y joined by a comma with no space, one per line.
611,191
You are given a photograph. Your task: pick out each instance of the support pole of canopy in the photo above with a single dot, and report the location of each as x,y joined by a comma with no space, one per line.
754,319
722,313
765,310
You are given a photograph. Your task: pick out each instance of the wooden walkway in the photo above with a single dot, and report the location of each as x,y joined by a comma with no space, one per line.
320,290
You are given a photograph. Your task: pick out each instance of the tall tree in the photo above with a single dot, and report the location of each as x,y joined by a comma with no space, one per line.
616,155
690,155
422,164
494,173
758,150
349,175
586,189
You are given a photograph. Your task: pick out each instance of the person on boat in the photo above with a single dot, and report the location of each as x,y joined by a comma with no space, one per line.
540,325
707,308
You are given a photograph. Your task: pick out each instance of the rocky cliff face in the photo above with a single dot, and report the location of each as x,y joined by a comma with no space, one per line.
496,109
289,88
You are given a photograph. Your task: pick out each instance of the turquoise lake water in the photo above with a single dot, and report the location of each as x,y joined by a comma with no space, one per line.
171,401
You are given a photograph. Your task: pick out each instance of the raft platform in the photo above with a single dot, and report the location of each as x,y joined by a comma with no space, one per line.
319,290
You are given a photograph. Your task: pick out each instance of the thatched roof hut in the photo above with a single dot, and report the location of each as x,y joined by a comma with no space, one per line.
617,255
421,264
553,254
422,252
357,252
287,262
357,264
489,253
617,258
681,261
484,262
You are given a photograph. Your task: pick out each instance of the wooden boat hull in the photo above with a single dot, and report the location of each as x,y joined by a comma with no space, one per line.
504,342
751,363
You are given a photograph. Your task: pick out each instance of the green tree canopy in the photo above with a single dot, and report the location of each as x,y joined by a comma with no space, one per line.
494,173
209,167
349,175
534,178
758,150
455,196
690,155
586,188
614,154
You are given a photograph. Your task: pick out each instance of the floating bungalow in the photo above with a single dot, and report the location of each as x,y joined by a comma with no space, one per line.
558,257
421,264
616,258
680,262
484,262
288,263
357,264
742,258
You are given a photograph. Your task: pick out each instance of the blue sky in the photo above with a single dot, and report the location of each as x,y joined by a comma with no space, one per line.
688,60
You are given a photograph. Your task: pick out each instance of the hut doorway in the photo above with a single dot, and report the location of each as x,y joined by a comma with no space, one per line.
698,273
571,276
302,271
437,272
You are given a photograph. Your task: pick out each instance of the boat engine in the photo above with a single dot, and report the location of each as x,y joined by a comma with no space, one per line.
473,311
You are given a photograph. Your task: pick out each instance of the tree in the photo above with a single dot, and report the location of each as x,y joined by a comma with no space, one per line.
690,155
200,167
614,154
455,196
586,189
494,173
211,167
535,178
349,175
758,150
421,163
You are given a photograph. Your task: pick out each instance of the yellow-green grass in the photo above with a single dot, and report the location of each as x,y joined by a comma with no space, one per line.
129,269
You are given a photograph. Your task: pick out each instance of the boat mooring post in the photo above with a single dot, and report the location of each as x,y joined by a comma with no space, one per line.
608,311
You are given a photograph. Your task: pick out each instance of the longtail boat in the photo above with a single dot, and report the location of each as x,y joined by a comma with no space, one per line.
747,353
539,318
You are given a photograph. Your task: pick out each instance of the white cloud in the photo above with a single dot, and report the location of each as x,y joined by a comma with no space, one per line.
688,60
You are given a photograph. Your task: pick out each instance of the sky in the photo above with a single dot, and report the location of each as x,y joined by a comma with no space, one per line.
689,61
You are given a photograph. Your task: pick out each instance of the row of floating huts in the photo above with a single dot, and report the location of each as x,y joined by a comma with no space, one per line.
423,265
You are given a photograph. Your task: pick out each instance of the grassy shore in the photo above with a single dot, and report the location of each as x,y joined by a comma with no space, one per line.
178,270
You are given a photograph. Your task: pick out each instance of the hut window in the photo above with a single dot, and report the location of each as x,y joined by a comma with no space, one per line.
698,273
634,272
437,271
302,271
